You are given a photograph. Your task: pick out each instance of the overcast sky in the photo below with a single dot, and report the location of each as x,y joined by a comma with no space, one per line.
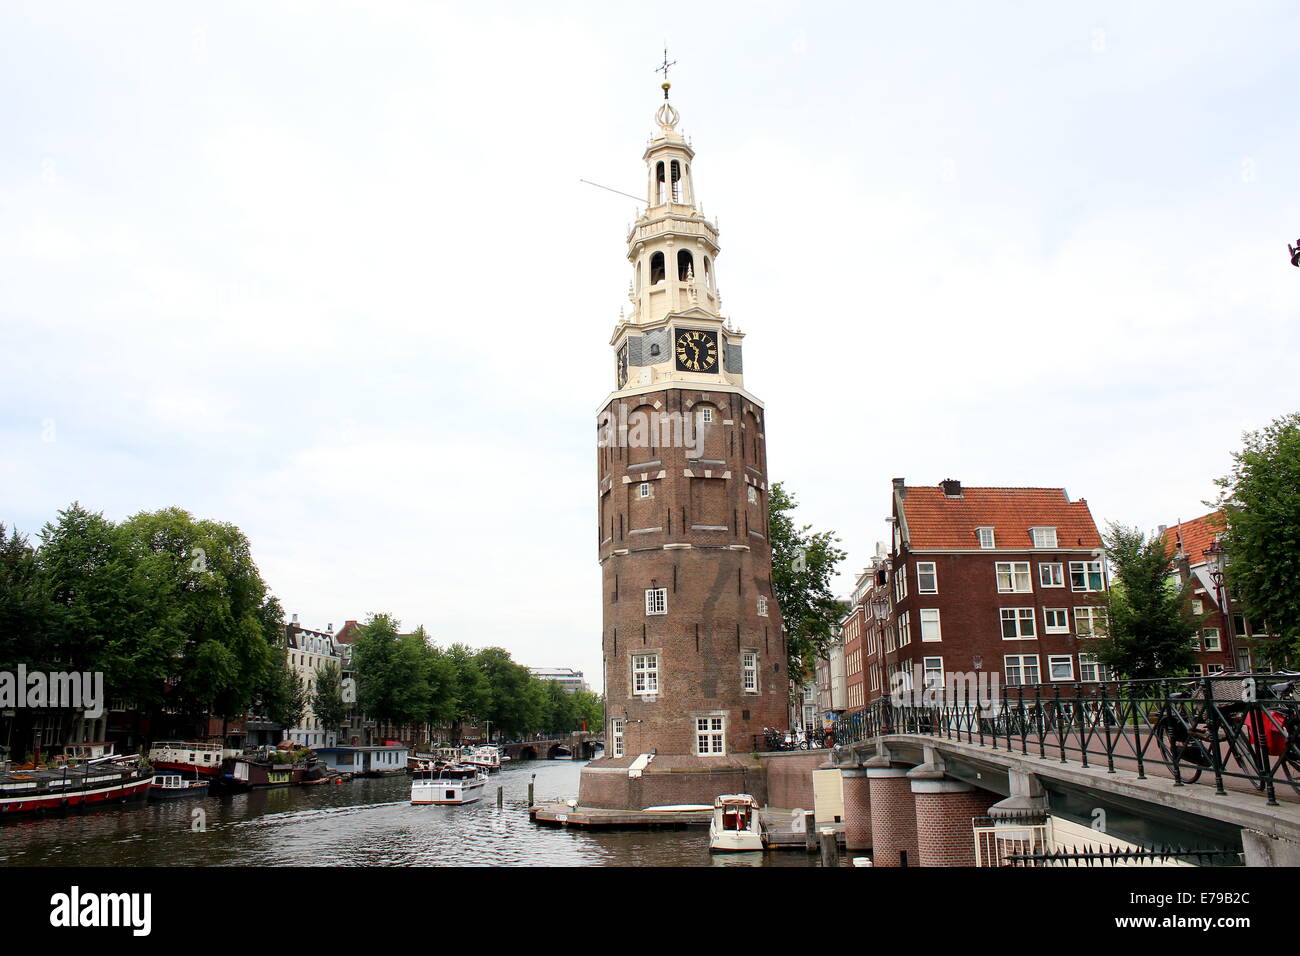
296,266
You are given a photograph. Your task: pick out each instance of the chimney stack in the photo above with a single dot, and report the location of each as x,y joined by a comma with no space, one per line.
951,488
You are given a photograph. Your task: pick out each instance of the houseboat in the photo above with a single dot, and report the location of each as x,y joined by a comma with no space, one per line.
263,769
172,786
188,757
737,824
75,782
377,761
436,783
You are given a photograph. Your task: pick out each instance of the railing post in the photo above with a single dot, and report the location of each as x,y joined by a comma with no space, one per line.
1105,722
1060,725
1216,728
1038,719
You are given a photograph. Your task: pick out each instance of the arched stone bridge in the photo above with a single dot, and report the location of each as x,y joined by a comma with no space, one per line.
575,746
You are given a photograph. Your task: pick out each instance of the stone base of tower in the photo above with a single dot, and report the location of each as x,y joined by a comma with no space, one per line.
669,780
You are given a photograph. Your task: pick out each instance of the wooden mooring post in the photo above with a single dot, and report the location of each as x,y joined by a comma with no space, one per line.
830,852
809,831
531,783
500,797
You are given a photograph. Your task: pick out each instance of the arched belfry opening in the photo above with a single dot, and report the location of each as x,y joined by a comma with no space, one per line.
656,268
685,264
657,187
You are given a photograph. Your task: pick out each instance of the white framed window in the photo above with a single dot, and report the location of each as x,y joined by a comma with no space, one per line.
932,674
656,600
930,629
753,495
905,628
1060,667
1018,623
1051,575
645,674
749,672
986,537
1090,669
1089,621
927,578
710,735
1044,537
900,586
1056,620
1198,607
616,736
643,490
1020,668
1211,635
1085,575
1013,577
762,606
1214,668
706,415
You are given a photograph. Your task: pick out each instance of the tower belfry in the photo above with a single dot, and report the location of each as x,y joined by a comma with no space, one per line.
693,645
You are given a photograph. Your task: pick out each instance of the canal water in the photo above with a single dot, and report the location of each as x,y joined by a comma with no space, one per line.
359,822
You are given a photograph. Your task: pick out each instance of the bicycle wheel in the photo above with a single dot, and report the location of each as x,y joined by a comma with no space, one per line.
1174,742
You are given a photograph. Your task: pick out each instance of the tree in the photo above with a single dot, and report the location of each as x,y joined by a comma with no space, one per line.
1149,627
1261,502
471,695
803,563
327,702
281,698
588,707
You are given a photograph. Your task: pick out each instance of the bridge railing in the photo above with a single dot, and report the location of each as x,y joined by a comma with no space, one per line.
1229,729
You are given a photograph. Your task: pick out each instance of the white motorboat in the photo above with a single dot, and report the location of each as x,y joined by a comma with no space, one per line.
435,783
487,758
737,824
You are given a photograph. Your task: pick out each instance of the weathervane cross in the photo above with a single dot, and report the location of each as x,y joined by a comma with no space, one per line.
663,68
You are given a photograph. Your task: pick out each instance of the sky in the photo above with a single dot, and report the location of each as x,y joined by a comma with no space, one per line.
327,270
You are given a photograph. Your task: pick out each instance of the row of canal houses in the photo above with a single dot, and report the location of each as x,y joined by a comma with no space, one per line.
1005,581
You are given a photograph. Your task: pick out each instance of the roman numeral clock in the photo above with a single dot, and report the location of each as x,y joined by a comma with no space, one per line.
697,350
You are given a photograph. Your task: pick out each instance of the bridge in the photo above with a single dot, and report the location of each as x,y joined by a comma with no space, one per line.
1203,772
574,746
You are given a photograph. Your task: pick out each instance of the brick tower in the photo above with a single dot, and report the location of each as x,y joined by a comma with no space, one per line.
694,657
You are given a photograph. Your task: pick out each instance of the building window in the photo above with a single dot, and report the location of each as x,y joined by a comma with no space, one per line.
645,674
1051,575
762,606
927,578
1013,577
706,415
1212,639
1090,669
753,495
986,537
932,675
710,736
643,490
1044,537
1020,668
930,624
616,736
1056,620
749,672
1060,667
904,629
900,585
656,600
1089,622
1018,623
1085,575
1198,608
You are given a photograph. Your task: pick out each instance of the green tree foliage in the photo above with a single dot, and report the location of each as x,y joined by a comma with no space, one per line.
1149,627
327,700
281,697
24,605
1261,501
803,563
516,701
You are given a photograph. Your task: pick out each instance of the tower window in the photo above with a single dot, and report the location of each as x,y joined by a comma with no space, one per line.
656,600
643,490
656,268
706,415
645,674
677,181
708,273
710,735
685,265
659,183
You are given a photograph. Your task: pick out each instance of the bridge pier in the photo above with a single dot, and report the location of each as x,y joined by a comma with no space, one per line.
857,808
893,813
1263,849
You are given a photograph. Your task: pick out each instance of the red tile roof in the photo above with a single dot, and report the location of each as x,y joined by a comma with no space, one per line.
1194,536
935,521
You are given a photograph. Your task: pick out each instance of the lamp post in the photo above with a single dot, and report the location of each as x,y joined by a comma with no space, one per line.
880,607
1216,561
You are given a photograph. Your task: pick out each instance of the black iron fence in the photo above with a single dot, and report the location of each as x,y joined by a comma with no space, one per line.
1225,728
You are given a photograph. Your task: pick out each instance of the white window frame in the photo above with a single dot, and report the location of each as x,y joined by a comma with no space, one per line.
988,540
762,606
753,495
929,670
656,601
1043,537
1055,659
1019,616
1087,569
749,671
714,728
706,415
1055,577
1017,573
646,668
933,572
1209,634
905,629
645,490
1093,615
936,627
1049,627
1089,664
1198,607
616,736
1020,660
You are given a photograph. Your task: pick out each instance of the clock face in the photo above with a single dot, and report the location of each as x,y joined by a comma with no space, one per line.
697,351
622,365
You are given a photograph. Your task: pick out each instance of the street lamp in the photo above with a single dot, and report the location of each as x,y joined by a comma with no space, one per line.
1216,562
880,607
1295,253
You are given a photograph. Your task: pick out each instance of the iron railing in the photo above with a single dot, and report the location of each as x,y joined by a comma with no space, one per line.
1233,729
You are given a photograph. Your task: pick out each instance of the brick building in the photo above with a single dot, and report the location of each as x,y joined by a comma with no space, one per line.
693,648
988,580
1226,639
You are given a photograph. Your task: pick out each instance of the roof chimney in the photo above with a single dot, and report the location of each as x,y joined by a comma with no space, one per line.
951,488
295,620
899,488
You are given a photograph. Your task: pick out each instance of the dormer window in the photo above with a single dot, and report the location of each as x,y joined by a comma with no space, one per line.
1044,537
986,537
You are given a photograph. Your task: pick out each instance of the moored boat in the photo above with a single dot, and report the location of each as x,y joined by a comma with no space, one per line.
100,781
438,783
172,786
487,758
263,769
188,757
737,824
